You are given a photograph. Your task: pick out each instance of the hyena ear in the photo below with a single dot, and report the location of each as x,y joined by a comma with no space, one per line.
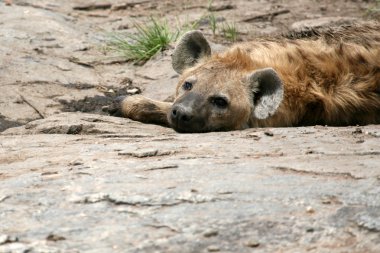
191,47
267,92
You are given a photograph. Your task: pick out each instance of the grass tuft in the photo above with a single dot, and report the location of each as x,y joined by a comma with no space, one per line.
230,31
145,43
374,9
213,23
187,26
149,39
209,4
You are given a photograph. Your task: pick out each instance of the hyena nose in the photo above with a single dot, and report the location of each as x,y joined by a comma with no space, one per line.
181,114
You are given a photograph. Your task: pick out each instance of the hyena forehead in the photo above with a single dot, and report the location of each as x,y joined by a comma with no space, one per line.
214,77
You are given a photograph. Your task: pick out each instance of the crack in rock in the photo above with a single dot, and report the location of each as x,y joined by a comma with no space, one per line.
4,239
92,6
159,226
163,167
138,200
115,199
143,153
345,175
365,153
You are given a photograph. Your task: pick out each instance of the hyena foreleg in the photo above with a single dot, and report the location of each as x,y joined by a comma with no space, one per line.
142,109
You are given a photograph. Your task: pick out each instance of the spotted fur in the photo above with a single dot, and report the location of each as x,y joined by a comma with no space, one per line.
329,77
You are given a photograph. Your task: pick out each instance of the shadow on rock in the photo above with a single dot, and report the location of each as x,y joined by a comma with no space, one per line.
5,124
99,104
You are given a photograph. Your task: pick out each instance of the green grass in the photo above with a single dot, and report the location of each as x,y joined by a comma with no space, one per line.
230,31
146,42
212,22
187,26
209,4
151,38
375,9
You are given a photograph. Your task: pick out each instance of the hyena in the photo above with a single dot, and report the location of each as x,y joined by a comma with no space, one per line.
329,78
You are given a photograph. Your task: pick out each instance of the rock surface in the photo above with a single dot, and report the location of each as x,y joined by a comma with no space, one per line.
78,182
82,182
321,22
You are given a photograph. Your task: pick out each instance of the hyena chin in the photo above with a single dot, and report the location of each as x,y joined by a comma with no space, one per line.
329,78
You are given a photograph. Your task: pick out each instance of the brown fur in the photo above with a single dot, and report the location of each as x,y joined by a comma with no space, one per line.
333,79
330,77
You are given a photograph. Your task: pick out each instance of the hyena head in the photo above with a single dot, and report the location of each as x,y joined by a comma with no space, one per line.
219,92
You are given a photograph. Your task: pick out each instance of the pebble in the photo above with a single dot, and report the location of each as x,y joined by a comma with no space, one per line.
310,209
133,91
4,197
253,243
213,248
210,233
268,133
54,237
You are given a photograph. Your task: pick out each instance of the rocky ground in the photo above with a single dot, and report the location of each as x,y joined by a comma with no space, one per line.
74,180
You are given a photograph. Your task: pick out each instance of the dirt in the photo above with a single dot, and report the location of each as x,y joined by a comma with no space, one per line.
74,179
99,104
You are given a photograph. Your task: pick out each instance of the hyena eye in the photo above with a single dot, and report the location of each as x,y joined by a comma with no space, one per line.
187,86
219,102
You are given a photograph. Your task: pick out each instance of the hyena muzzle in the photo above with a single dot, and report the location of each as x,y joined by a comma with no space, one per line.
329,77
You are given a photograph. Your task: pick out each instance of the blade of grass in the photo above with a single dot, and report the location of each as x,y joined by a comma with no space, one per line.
146,42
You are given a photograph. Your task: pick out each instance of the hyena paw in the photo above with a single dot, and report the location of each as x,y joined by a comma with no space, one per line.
115,108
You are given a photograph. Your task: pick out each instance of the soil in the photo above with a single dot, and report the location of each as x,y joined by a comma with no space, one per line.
74,179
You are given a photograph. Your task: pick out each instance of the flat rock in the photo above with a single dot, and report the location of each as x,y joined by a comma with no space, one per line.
321,22
35,70
79,182
227,191
158,72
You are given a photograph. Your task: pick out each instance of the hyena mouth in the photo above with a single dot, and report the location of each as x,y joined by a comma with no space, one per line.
187,125
180,127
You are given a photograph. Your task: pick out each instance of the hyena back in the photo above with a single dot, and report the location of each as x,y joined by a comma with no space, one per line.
330,78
